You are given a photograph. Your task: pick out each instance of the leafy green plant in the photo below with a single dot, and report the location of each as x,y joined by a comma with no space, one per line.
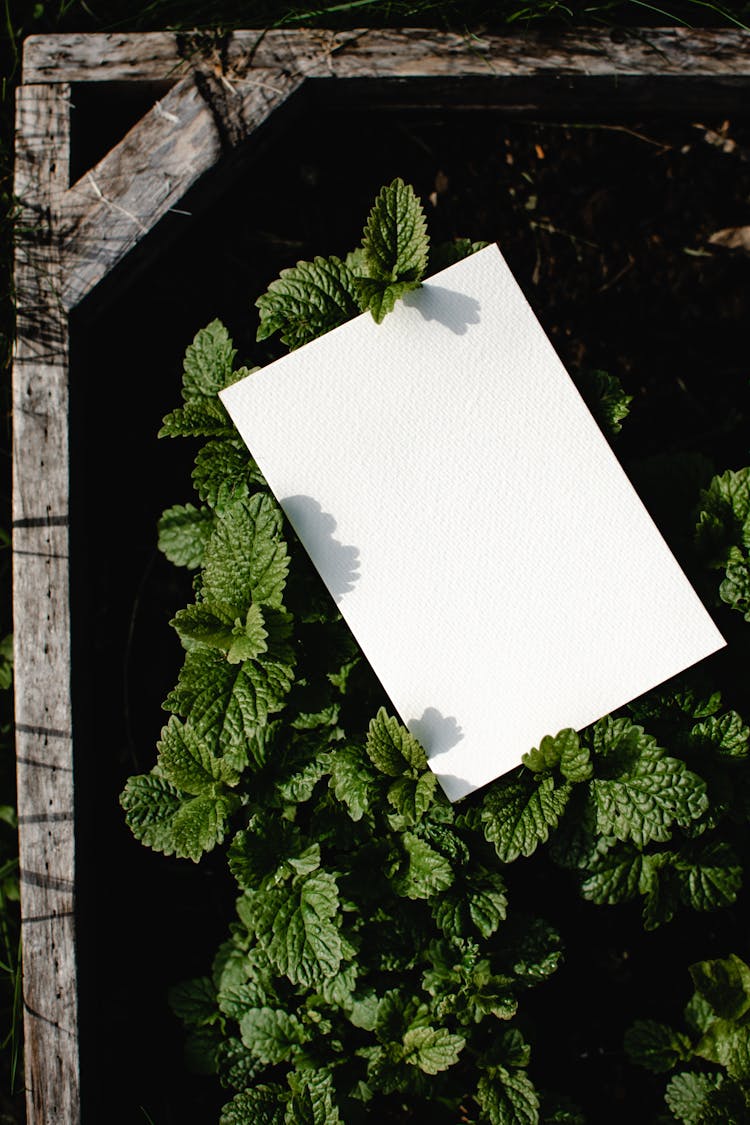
718,1036
376,965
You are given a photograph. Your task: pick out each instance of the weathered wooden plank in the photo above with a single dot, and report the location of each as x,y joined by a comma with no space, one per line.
412,52
113,205
42,615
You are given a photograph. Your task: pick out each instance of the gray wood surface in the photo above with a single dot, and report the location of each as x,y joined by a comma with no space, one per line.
118,201
683,53
42,614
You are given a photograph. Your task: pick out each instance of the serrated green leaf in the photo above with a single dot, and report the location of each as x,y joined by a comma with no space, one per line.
352,780
507,1097
186,760
728,1044
271,1034
425,872
184,531
206,623
230,703
224,473
614,877
735,589
724,516
432,1049
646,791
726,734
263,1105
246,557
150,803
711,878
656,1046
725,984
477,905
691,1098
564,750
517,815
205,418
307,300
194,1001
260,849
238,1069
604,395
392,749
312,1100
379,297
250,638
200,824
295,925
411,797
395,239
208,363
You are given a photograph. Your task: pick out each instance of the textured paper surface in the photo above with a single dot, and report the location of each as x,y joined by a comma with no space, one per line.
463,508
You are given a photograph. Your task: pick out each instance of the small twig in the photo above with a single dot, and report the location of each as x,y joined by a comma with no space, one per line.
618,276
115,206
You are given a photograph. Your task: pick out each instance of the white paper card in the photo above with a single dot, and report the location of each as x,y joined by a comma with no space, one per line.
462,506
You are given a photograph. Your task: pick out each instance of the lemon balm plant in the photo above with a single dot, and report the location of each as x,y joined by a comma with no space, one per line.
377,964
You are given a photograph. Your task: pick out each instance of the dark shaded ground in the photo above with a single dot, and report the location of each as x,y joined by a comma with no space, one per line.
606,228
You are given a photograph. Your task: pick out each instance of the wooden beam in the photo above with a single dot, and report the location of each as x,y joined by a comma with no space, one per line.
682,53
42,614
118,201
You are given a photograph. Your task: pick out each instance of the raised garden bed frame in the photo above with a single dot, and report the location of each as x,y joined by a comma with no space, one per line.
217,92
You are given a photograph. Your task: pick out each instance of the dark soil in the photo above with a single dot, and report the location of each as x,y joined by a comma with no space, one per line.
606,227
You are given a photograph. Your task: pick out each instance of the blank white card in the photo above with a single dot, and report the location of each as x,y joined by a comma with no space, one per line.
463,508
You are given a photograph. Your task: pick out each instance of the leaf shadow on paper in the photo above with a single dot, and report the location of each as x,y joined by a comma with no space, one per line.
337,562
435,731
455,310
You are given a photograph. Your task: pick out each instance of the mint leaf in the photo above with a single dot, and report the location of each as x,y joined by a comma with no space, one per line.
184,531
199,825
262,1105
246,558
563,750
448,253
312,1099
411,797
724,984
711,878
187,761
517,815
150,803
204,623
392,749
692,1098
425,871
307,300
194,1001
204,418
352,780
735,589
432,1049
395,241
604,395
379,297
208,363
725,734
294,925
507,1097
656,1046
224,472
614,877
724,517
271,1034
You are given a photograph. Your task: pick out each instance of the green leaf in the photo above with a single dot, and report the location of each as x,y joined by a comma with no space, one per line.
312,1099
725,734
352,780
507,1097
614,877
263,1105
295,925
249,638
204,418
246,558
184,531
426,871
199,825
648,792
725,984
236,1067
395,239
711,879
518,815
479,904
448,253
208,363
206,623
379,297
150,803
392,749
229,704
656,1046
604,395
411,797
724,516
727,1044
691,1098
307,300
194,1001
432,1049
186,760
224,472
735,589
271,1034
563,750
